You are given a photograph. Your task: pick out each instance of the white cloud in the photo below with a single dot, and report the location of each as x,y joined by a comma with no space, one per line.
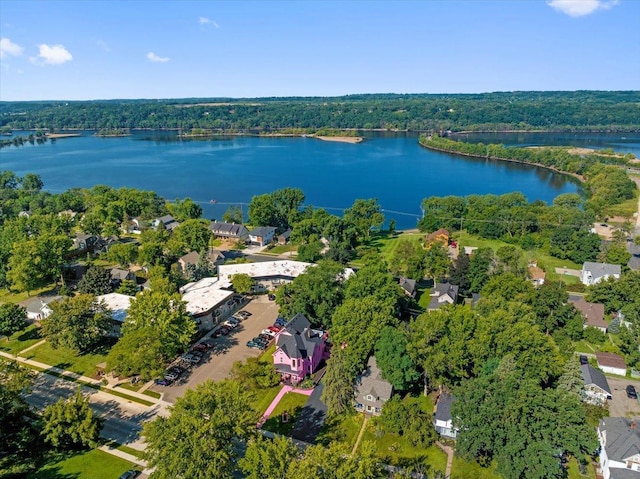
155,58
7,47
52,55
580,8
204,21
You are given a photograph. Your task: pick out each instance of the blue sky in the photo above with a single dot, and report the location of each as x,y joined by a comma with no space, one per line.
79,50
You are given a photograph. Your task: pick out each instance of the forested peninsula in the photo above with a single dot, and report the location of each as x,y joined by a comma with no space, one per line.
502,111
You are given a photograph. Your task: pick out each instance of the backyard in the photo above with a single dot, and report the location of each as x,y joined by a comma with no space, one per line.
84,364
284,416
20,340
84,465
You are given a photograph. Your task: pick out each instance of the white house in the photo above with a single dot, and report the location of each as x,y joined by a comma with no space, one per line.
443,293
611,363
371,390
619,448
442,420
262,235
596,386
593,273
39,308
118,304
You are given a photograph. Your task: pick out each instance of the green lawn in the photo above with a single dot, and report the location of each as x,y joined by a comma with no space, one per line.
264,397
386,243
87,465
282,248
12,297
20,340
462,469
291,403
84,364
344,428
574,472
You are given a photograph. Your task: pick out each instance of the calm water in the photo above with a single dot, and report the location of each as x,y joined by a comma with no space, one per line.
395,170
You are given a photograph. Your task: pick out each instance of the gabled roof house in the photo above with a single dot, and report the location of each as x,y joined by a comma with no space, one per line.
229,230
442,419
619,448
593,313
168,221
611,363
299,349
443,293
262,235
371,390
593,273
596,386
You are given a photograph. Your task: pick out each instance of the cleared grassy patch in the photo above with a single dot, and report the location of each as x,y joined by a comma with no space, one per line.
265,356
291,404
344,429
574,471
68,360
85,465
281,249
20,340
12,297
152,394
264,397
463,469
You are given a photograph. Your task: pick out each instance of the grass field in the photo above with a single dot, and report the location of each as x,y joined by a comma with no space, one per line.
20,340
291,404
462,469
11,297
66,359
87,465
344,428
281,248
574,471
264,397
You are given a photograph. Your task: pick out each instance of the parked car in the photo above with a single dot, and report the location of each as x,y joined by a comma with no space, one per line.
631,392
244,313
254,344
162,382
265,337
191,358
275,329
584,359
230,324
237,317
280,322
130,474
268,332
173,373
202,347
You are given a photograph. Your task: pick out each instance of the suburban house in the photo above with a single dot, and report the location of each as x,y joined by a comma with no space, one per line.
593,273
371,389
536,274
444,293
84,242
408,286
262,235
611,363
118,304
284,237
213,258
593,313
440,236
168,221
208,300
442,420
596,386
299,349
267,275
119,275
39,308
229,231
619,448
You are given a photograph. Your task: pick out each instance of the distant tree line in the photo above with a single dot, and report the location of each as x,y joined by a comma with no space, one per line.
570,111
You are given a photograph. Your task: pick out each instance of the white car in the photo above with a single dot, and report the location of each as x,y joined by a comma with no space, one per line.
231,324
268,333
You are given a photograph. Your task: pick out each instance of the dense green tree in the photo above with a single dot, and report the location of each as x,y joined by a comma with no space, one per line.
79,323
408,419
234,214
459,274
185,209
96,281
71,424
279,208
481,265
572,380
138,352
373,280
338,381
191,235
128,287
436,261
393,359
32,183
255,374
13,318
123,253
316,293
408,260
365,216
199,439
268,458
242,283
615,254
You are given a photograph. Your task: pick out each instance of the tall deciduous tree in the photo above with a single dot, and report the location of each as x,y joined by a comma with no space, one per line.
268,458
436,261
96,281
364,215
138,352
71,424
79,323
13,318
338,382
199,438
242,283
393,359
123,253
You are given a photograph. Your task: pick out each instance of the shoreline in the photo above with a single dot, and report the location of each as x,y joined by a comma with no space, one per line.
580,178
54,136
341,139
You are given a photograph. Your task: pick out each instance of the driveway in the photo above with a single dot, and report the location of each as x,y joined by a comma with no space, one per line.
217,363
621,405
311,418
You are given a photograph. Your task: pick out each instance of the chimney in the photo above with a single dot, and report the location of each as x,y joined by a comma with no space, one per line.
633,425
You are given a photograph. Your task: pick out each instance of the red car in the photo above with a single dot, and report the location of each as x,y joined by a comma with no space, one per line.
200,347
275,329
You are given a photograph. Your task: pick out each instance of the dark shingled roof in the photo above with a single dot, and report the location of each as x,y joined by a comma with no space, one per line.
227,229
622,441
623,473
592,375
262,231
443,409
371,382
301,340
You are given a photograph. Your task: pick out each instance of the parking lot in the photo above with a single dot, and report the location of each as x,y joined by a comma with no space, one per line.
216,363
621,405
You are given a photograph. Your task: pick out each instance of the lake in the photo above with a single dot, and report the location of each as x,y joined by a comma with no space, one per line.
230,170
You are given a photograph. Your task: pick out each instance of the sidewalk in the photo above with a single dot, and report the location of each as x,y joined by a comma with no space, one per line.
128,457
276,400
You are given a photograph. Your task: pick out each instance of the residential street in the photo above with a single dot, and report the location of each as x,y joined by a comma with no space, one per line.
123,419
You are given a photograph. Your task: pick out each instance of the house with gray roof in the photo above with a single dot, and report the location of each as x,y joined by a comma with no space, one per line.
619,448
443,293
596,386
262,235
593,273
168,221
284,237
231,231
442,419
119,275
300,349
371,389
39,308
408,286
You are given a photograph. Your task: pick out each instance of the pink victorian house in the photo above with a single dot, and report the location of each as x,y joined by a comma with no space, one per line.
299,349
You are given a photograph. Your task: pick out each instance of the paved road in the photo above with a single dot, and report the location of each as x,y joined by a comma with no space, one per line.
123,419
